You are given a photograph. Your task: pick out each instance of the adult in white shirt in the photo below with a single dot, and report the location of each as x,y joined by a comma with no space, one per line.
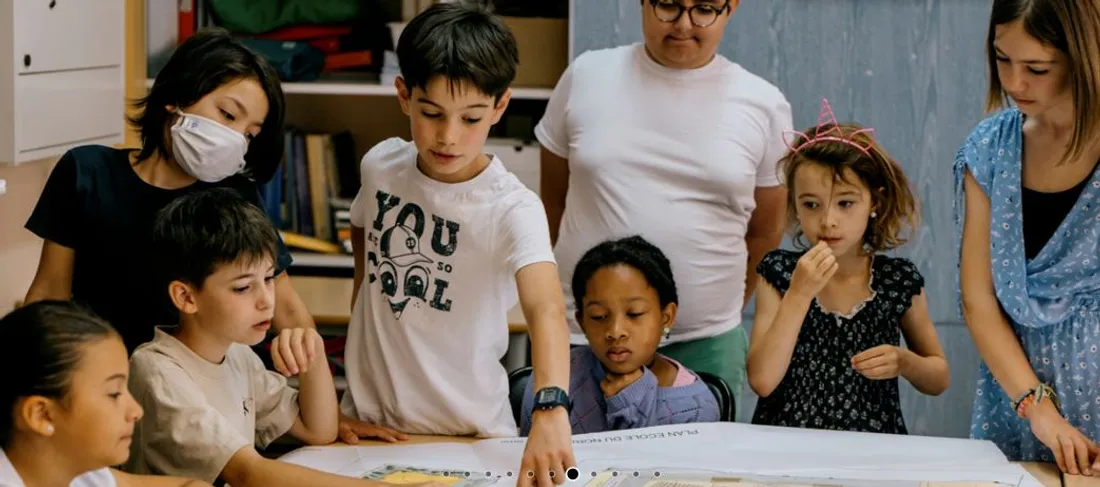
68,415
669,140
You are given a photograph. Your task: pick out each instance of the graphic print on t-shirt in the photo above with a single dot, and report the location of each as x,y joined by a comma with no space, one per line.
395,258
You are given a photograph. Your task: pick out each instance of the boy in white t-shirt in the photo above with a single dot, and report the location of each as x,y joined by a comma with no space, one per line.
207,397
444,237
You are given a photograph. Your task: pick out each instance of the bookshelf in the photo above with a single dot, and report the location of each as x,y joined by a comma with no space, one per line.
361,88
364,111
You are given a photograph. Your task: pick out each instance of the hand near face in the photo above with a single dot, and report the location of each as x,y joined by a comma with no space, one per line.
294,350
613,384
813,271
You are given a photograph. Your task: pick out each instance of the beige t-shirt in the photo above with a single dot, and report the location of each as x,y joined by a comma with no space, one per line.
199,414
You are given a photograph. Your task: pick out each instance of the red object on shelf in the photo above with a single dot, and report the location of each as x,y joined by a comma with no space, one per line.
186,20
327,45
344,60
306,32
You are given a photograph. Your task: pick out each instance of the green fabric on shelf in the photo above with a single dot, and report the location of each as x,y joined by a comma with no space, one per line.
260,16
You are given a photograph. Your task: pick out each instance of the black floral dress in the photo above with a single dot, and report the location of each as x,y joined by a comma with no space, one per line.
821,389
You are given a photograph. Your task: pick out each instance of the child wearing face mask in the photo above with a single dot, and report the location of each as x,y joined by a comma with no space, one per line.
825,350
627,302
213,118
68,415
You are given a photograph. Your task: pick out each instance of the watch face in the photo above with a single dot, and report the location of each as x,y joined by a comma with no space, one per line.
546,396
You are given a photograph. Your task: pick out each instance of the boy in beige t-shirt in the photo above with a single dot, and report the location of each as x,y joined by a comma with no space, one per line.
208,399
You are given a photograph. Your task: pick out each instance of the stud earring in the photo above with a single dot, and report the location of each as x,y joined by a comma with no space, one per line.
49,429
873,214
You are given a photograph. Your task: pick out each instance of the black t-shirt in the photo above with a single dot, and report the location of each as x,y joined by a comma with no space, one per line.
96,204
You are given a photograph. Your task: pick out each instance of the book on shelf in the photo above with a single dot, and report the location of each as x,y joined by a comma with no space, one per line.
309,197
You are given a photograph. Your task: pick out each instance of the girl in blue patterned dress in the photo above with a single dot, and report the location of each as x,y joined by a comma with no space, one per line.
1028,225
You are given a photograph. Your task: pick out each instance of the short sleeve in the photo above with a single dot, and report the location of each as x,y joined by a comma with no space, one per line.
181,434
968,158
552,130
524,233
904,276
57,215
779,125
276,403
358,213
376,167
776,268
996,138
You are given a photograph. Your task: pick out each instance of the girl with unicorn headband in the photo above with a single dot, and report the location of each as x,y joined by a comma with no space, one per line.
825,350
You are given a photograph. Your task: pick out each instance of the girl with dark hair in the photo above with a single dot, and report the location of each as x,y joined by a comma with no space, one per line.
68,415
626,306
213,118
1026,221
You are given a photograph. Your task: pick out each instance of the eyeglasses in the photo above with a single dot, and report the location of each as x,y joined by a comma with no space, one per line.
702,15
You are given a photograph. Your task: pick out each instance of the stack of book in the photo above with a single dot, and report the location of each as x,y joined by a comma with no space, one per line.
310,195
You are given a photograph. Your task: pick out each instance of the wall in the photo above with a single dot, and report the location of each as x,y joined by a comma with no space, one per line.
19,249
912,70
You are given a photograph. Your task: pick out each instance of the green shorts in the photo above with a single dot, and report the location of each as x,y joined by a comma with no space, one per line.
722,355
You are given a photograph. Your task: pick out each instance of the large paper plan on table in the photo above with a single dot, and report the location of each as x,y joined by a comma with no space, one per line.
697,455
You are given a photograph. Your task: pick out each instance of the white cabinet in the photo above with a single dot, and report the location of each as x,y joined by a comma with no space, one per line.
62,80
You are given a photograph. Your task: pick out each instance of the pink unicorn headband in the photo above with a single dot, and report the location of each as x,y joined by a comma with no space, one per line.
828,129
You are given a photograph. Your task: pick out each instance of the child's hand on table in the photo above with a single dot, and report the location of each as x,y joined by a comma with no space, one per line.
1072,450
549,451
351,430
613,384
294,350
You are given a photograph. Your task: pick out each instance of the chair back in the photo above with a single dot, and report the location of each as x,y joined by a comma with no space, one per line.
517,383
727,410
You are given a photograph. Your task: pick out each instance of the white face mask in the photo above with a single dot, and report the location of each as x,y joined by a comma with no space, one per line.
207,150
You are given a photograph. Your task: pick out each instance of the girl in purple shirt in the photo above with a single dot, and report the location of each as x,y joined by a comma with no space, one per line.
626,303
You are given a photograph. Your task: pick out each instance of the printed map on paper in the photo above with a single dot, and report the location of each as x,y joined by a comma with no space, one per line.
697,455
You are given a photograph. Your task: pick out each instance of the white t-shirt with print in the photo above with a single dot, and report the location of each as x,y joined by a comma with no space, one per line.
96,478
429,325
672,155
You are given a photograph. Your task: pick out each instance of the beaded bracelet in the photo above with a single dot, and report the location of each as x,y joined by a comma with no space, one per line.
1022,405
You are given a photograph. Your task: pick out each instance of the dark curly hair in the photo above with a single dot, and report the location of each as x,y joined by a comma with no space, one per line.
635,252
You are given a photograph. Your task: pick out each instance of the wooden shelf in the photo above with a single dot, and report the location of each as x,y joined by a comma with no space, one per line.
359,88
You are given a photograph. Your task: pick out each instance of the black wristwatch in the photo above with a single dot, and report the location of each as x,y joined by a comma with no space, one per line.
549,398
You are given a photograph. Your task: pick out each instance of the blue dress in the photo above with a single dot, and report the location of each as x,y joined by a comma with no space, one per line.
1052,301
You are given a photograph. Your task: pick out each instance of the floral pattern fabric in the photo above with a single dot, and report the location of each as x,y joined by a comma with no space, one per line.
1052,301
821,390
